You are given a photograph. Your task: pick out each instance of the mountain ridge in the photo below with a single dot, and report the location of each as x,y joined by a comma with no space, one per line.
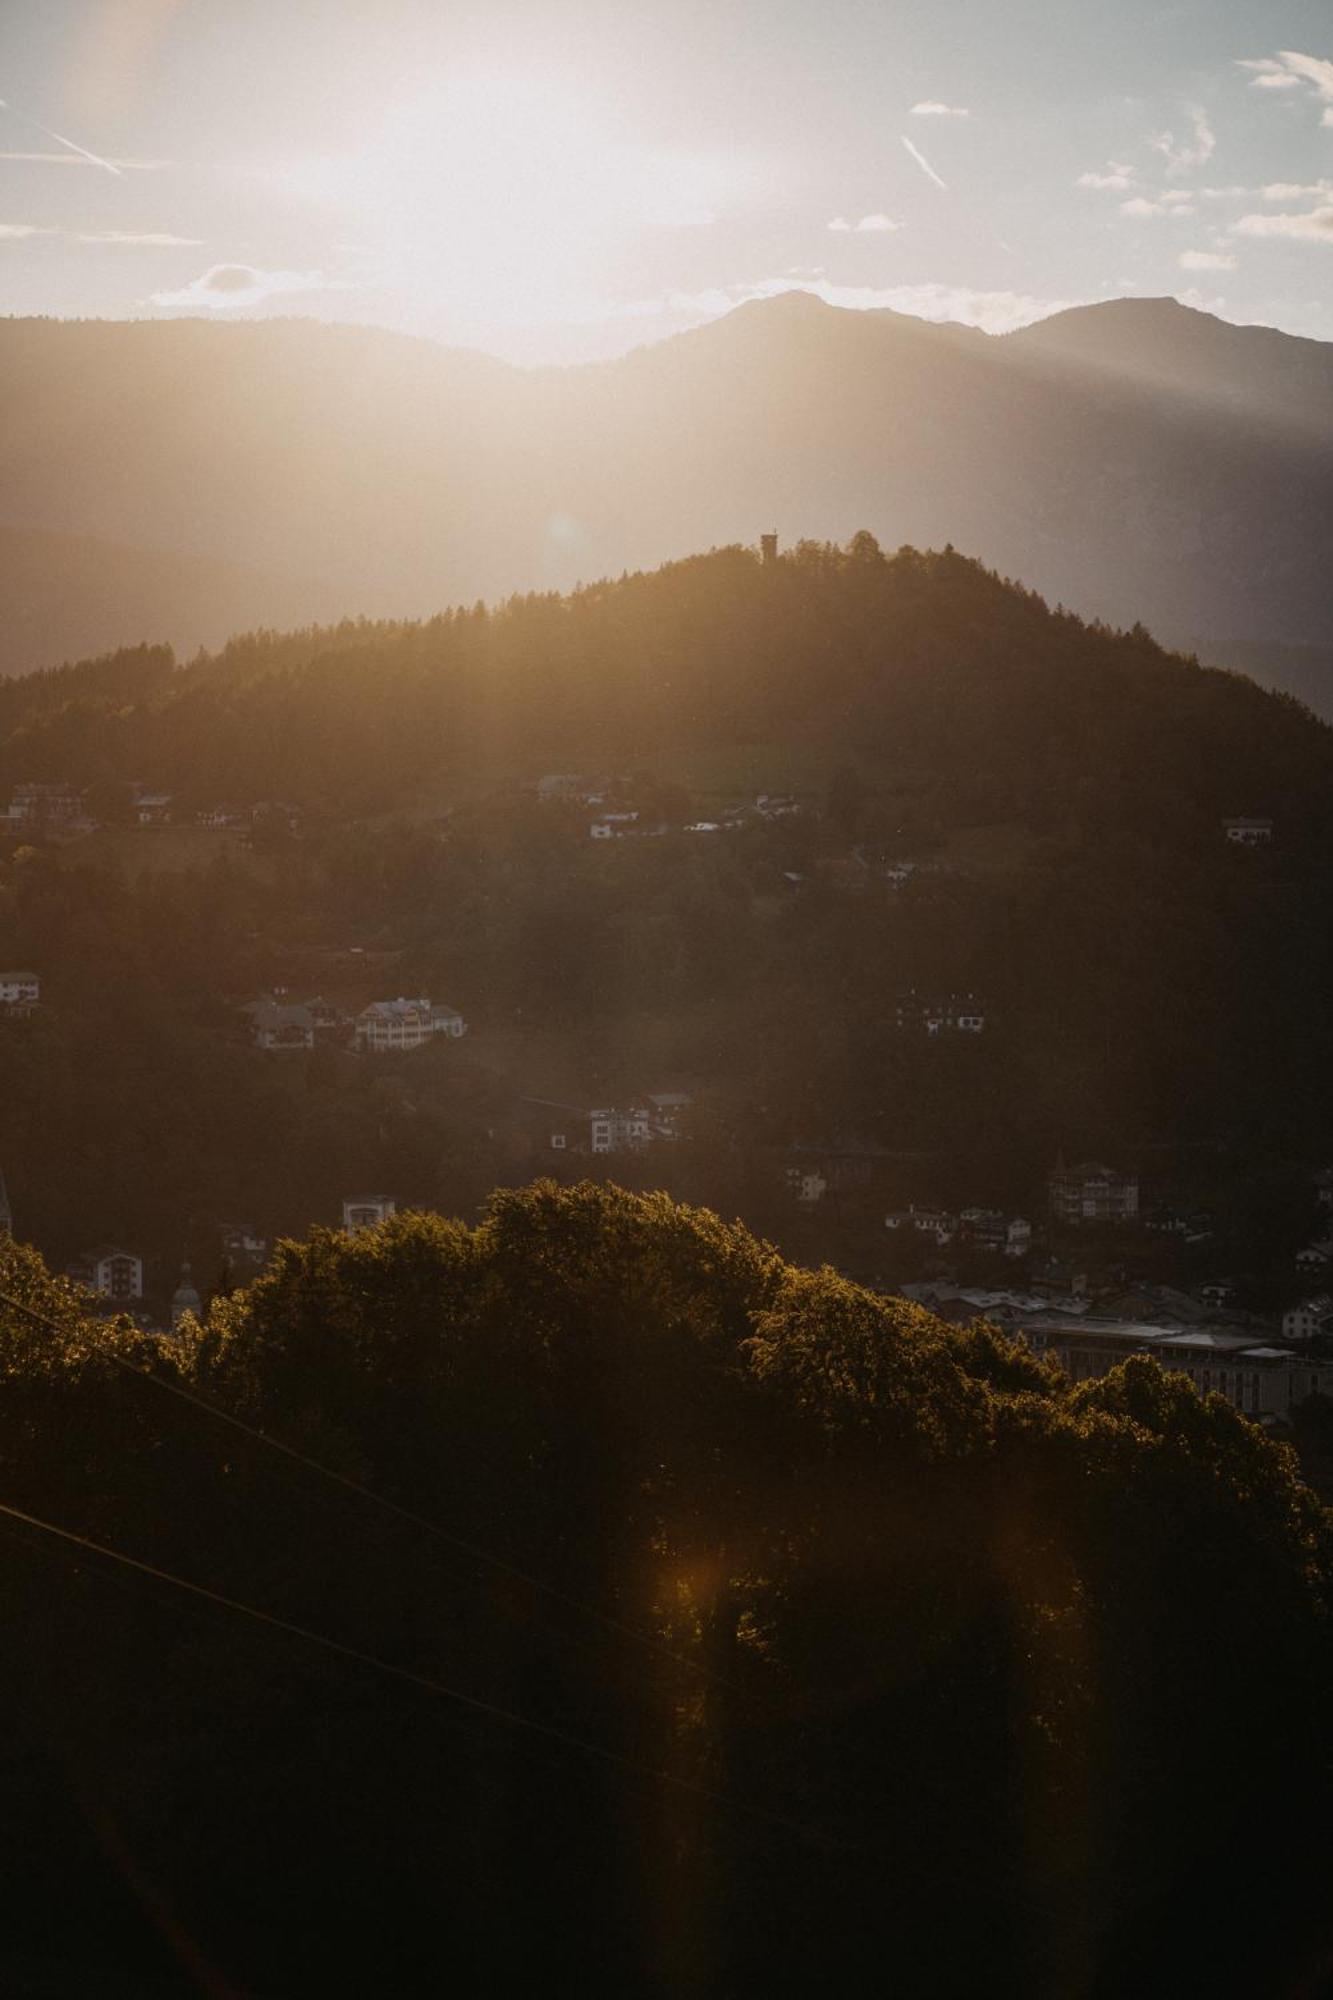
1180,478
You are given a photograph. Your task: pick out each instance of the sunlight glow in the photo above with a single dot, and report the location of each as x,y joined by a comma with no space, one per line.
500,194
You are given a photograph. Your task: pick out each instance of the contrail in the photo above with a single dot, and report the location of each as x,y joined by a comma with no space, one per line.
94,159
924,163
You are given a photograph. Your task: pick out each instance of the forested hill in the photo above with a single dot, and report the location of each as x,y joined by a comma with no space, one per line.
1135,458
923,665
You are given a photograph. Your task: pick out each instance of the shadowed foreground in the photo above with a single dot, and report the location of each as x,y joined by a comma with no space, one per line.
745,1632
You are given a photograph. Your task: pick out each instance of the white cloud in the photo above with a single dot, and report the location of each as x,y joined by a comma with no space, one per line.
875,224
1206,260
226,287
931,109
11,231
924,164
1290,70
1295,190
1183,154
1116,176
1173,202
1315,226
150,239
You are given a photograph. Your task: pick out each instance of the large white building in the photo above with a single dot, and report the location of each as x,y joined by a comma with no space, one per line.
1260,1379
388,1026
1093,1193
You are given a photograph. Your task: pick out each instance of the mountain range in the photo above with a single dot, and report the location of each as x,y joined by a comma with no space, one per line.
1134,460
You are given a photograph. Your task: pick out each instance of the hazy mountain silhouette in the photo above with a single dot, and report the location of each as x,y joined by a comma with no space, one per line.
1134,459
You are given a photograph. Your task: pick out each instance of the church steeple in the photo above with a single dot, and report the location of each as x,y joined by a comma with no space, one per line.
185,1299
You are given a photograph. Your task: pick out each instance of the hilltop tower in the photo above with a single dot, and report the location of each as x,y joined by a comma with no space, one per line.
768,550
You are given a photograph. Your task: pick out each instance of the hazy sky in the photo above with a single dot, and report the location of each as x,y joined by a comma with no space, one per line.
557,179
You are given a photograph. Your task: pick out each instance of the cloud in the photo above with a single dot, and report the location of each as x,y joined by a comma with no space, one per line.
1175,201
1116,176
226,286
1206,260
924,163
1314,226
149,239
931,109
1290,70
11,231
1295,190
1183,154
872,223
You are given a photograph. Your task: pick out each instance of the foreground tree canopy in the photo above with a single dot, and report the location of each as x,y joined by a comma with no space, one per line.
768,1634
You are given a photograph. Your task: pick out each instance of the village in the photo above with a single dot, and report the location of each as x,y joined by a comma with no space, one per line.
1093,1265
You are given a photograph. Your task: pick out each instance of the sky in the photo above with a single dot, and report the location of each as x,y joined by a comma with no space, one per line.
555,181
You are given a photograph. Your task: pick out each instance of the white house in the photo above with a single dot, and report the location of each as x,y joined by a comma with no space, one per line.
1017,1237
37,806
612,1131
153,808
389,1026
365,1211
936,1222
613,826
1248,832
116,1274
20,992
1302,1322
806,1185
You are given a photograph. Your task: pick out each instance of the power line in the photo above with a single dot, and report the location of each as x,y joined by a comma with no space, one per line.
493,1711
444,1535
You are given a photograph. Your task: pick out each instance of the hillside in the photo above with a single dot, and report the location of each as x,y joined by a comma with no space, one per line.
1135,459
989,799
925,664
